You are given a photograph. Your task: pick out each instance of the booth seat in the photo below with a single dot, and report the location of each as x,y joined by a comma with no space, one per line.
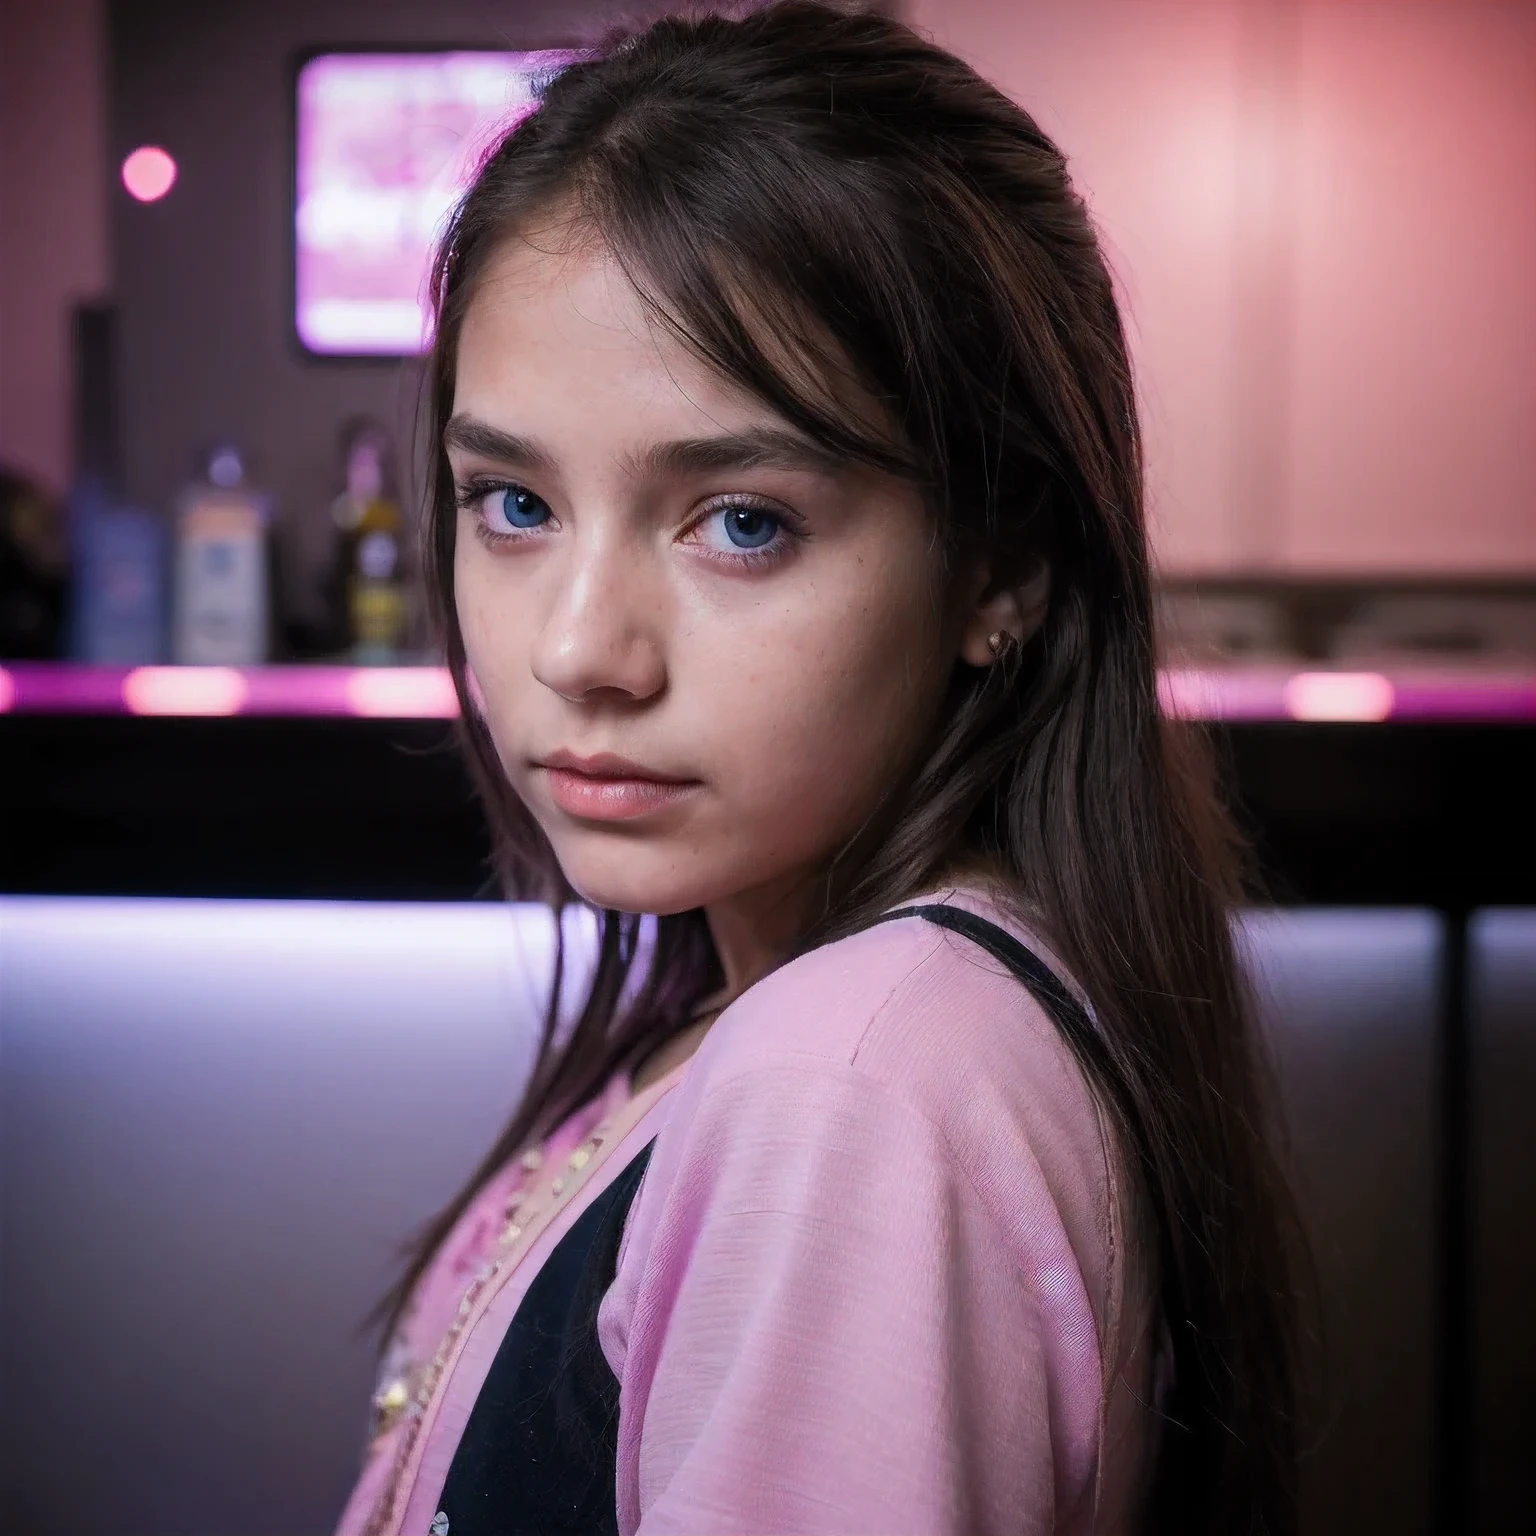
1502,964
219,1121
1352,1001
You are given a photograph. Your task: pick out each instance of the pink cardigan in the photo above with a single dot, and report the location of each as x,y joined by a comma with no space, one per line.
876,1279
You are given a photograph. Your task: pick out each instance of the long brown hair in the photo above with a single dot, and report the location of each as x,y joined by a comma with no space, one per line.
801,194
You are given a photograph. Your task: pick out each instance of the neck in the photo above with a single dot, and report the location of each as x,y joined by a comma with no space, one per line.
755,930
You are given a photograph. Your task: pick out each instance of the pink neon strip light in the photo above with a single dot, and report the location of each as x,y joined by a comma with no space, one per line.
426,693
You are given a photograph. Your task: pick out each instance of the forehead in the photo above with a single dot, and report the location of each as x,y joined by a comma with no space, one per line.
555,328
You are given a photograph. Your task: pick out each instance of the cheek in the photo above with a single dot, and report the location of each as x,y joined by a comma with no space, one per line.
823,712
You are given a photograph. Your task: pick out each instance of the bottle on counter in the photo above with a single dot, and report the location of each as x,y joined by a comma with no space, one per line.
370,576
222,591
34,563
117,600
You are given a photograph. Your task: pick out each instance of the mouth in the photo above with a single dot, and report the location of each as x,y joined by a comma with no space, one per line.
604,787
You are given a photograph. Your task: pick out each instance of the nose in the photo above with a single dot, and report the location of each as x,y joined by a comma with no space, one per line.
603,628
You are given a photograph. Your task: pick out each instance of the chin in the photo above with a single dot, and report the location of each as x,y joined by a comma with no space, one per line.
636,878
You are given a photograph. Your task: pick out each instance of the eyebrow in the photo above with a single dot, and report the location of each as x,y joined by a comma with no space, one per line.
478,437
754,448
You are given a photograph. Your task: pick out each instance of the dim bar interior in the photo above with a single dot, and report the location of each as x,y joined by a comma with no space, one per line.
221,707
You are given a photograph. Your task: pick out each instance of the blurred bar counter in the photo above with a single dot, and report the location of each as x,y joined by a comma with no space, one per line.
1395,786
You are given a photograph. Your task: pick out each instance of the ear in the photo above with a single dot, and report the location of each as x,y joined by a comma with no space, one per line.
1016,610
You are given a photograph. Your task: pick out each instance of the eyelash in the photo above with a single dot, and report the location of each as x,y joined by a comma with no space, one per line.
778,549
473,492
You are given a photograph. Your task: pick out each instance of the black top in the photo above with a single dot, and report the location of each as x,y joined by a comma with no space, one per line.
539,1455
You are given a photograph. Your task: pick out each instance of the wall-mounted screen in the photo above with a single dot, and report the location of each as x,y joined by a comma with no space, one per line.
384,146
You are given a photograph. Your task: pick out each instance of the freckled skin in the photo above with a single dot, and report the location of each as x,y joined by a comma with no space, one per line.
796,690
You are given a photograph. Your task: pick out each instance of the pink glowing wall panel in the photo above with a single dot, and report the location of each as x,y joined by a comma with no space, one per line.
385,144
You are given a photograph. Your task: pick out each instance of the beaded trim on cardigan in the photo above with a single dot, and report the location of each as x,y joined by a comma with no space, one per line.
408,1395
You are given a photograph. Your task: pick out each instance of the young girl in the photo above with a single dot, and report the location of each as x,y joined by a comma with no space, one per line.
904,1172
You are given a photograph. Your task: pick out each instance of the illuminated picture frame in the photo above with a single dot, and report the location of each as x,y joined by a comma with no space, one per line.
385,142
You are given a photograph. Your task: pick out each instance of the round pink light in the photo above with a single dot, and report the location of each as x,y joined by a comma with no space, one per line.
149,173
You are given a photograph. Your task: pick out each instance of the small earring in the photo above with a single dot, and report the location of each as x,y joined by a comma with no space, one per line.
998,641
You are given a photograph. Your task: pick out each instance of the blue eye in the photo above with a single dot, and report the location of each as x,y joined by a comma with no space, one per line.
516,507
745,533
749,527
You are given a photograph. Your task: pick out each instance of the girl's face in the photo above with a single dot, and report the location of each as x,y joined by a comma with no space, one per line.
658,579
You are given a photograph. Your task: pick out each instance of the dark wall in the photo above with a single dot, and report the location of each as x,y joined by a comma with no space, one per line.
203,276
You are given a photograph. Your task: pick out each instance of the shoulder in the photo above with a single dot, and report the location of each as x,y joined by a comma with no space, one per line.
907,1035
920,1014
899,1081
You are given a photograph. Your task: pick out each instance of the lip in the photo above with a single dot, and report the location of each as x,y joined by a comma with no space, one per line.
605,787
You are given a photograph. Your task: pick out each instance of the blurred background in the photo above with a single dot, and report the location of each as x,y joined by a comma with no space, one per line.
259,1006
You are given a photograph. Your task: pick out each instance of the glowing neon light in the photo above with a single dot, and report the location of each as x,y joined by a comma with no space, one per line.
402,693
149,173
1196,693
184,691
1366,696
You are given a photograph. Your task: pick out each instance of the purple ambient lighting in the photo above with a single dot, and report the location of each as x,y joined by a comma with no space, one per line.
426,693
